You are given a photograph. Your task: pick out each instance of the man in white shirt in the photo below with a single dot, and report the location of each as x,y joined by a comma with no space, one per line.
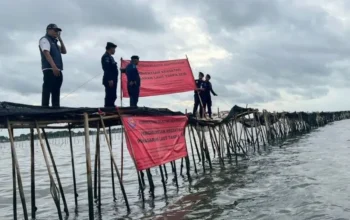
52,65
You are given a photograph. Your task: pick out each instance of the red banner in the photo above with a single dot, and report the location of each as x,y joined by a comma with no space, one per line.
161,77
155,140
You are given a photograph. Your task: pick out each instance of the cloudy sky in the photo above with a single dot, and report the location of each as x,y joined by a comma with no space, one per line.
273,54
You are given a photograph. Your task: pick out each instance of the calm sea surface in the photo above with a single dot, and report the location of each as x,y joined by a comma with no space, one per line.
307,178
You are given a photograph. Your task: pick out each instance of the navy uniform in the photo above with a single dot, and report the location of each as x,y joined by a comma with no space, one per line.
134,81
207,97
110,73
197,98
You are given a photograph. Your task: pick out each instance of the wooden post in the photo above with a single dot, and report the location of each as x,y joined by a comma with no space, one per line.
32,172
163,181
88,166
56,173
14,182
192,150
53,188
150,181
95,170
175,174
115,165
195,144
112,169
206,148
18,172
73,169
98,148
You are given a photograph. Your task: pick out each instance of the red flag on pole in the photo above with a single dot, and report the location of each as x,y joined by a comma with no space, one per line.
161,77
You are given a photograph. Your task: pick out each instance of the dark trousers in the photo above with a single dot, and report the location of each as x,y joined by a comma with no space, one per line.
51,87
208,104
197,103
134,93
111,94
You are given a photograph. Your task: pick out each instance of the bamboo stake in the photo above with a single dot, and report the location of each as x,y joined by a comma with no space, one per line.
251,133
182,166
163,181
195,144
98,162
217,148
193,158
88,166
112,172
56,173
115,165
18,173
187,160
53,188
96,168
122,156
212,142
73,169
32,172
206,148
14,182
175,175
201,147
150,181
165,172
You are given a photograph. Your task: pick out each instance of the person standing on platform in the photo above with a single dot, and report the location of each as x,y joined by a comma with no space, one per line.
207,97
133,80
52,65
110,74
198,95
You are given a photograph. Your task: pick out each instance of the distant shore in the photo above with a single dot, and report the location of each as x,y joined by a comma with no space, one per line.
52,134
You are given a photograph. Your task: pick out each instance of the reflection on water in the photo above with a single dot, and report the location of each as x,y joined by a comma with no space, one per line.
306,178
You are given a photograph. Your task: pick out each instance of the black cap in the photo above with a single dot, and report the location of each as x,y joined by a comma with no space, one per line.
134,57
110,45
201,73
208,76
53,26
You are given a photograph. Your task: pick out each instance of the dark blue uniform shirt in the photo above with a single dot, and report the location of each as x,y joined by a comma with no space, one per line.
110,68
132,74
199,84
208,89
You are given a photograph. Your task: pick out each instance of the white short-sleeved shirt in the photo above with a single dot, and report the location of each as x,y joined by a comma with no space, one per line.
44,44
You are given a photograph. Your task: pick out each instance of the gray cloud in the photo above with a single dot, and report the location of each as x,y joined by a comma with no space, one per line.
78,14
277,46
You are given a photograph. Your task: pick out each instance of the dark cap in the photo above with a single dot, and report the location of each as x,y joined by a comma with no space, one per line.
110,45
134,57
208,76
201,73
53,26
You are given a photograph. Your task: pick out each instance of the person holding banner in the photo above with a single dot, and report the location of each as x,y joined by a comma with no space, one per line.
133,81
199,95
110,75
207,97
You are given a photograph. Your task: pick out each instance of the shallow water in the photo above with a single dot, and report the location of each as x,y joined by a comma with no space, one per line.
307,178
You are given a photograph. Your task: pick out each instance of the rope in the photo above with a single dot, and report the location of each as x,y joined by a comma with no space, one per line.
86,82
80,86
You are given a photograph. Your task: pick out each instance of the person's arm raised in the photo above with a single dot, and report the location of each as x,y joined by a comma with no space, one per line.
62,47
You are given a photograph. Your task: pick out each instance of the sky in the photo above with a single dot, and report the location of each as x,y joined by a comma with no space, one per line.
291,55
